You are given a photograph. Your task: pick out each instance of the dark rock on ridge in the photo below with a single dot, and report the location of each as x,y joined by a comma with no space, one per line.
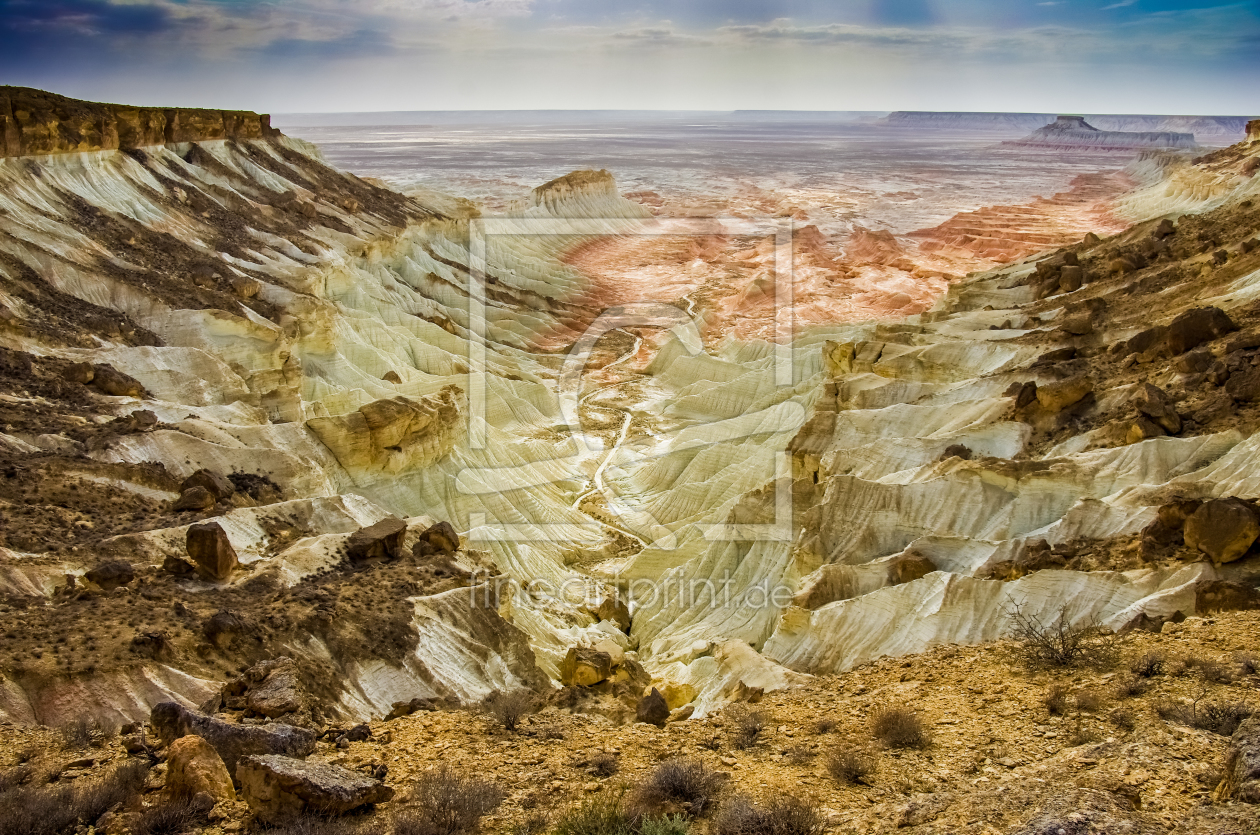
172,721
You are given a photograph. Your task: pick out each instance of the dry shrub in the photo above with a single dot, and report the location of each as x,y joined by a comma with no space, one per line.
1248,664
315,825
1218,717
533,824
1150,665
604,765
851,766
825,725
781,816
900,727
1082,734
442,802
1059,643
799,755
747,727
52,809
1213,671
686,784
1090,701
1128,687
601,815
675,825
165,819
1123,718
1056,700
508,709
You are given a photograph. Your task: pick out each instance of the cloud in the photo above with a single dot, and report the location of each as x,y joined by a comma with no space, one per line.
1122,4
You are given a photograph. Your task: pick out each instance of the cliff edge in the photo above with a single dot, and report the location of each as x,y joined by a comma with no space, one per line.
37,122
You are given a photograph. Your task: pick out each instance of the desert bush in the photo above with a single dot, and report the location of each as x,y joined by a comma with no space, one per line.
1213,671
1056,700
165,819
1130,686
597,816
76,734
534,824
318,825
52,809
1248,664
747,726
1123,718
604,765
851,767
825,725
1150,665
900,727
1059,643
1082,734
508,709
799,755
781,816
1089,700
442,802
1218,717
687,783
667,825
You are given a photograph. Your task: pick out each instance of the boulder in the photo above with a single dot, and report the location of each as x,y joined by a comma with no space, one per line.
1071,278
442,538
382,540
1078,324
194,498
1150,343
1026,395
400,709
652,709
280,789
1244,385
232,742
269,688
1225,596
244,287
214,483
211,552
1242,765
1223,529
1164,229
108,380
585,667
110,575
1153,402
1090,240
79,372
1055,397
194,767
1194,362
1195,327
392,377
614,610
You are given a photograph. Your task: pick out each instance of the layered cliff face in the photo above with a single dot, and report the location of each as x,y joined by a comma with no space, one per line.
1074,132
35,122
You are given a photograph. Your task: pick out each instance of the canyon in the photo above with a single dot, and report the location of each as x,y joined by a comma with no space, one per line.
590,444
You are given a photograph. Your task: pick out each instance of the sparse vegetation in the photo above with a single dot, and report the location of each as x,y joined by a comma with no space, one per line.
601,815
1056,700
1090,701
826,725
442,802
1059,643
668,825
604,765
685,783
851,766
900,727
799,755
747,727
508,709
53,809
1150,665
1219,717
1131,686
1123,718
165,819
535,823
781,816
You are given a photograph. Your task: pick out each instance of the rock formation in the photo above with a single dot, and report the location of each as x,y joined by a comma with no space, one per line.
1073,132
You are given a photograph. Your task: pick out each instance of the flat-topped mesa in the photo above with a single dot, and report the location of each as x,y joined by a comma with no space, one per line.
35,122
585,182
1075,132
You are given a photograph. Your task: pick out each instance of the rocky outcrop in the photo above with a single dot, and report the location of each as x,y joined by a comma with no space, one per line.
279,789
1241,773
35,122
232,742
211,551
269,688
1069,132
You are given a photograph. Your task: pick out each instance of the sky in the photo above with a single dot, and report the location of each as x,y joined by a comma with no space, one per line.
1114,56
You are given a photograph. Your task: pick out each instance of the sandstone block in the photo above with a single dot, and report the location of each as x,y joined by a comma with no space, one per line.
193,767
110,575
382,540
194,498
652,709
215,483
232,742
279,788
585,667
1055,397
1223,529
1195,327
211,552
